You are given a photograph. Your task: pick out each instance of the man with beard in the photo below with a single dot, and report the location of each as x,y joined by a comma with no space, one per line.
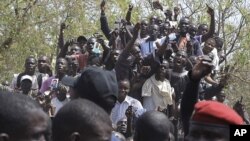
61,71
157,92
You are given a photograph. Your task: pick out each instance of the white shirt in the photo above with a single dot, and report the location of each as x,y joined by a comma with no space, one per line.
58,104
118,112
156,94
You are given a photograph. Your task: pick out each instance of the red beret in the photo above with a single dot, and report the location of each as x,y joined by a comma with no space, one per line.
215,112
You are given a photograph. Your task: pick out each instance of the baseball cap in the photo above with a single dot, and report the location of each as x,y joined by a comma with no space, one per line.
26,77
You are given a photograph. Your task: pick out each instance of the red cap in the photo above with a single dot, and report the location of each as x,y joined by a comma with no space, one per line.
215,112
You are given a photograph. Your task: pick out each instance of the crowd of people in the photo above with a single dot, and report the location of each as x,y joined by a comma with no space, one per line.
157,79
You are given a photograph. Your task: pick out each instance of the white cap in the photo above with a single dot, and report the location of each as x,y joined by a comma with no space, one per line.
28,77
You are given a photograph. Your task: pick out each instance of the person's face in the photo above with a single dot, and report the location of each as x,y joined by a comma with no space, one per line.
162,71
61,66
30,65
122,126
203,29
26,86
74,65
137,54
39,128
75,50
153,20
202,132
184,25
209,46
144,26
192,30
115,55
41,63
180,60
166,29
123,90
91,44
154,31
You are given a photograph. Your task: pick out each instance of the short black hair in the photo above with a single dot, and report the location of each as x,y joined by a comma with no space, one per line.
82,116
14,113
152,126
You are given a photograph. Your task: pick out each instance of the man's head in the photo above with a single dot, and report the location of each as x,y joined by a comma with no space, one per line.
122,126
192,30
81,120
26,84
124,87
91,44
210,44
153,19
22,119
95,84
221,96
165,29
81,41
152,126
144,27
30,65
61,66
184,25
75,49
115,55
136,52
42,61
202,29
154,31
180,60
161,71
211,121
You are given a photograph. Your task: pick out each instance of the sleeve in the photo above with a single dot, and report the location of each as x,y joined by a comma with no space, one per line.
146,88
197,51
104,26
189,99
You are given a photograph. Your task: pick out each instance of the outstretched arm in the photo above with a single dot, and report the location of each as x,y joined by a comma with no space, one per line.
128,16
211,31
61,38
190,95
104,22
135,35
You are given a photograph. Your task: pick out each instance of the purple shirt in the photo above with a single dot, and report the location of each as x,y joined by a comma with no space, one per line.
46,84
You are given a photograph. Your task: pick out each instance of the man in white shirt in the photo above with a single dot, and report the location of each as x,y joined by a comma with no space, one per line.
157,92
123,102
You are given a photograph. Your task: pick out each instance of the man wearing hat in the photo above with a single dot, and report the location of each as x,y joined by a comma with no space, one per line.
210,119
95,84
26,86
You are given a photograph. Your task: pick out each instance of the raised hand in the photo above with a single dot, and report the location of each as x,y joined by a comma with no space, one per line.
203,67
103,5
129,112
130,7
63,26
176,10
210,10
